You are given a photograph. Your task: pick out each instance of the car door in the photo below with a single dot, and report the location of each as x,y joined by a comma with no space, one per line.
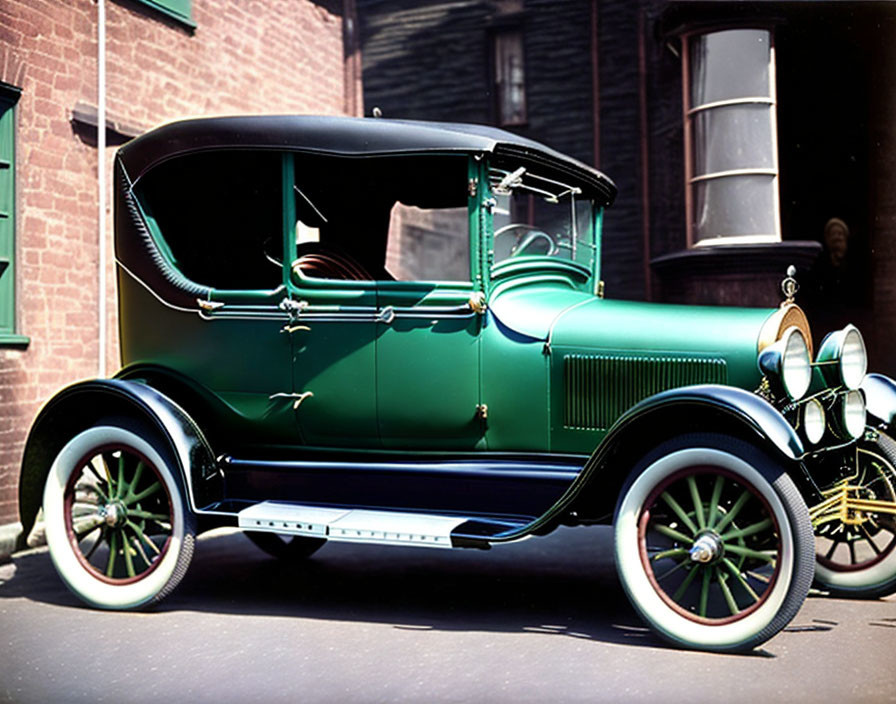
214,218
334,374
332,310
427,367
429,323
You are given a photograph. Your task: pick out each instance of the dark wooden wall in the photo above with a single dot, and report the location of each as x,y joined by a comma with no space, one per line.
836,122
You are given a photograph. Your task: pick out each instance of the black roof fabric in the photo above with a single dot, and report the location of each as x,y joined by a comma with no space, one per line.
345,136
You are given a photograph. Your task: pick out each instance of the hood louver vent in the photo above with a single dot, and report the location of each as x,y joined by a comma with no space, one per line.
600,389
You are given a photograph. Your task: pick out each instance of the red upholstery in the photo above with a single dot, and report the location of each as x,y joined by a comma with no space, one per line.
327,264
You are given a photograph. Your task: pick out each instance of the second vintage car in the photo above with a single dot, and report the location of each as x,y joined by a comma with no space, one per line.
338,329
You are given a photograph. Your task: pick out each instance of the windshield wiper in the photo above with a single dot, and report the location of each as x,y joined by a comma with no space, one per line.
510,181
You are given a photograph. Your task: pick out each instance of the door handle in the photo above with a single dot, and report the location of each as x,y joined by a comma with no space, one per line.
299,398
294,328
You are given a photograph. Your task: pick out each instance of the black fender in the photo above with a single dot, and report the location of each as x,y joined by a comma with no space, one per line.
705,408
204,408
753,411
81,405
880,399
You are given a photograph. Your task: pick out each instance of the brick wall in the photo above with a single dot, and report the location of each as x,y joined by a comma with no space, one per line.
277,56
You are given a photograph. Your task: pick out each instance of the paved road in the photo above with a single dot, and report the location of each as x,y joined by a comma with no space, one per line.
540,621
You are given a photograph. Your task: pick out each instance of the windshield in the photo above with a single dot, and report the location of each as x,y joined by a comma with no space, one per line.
542,216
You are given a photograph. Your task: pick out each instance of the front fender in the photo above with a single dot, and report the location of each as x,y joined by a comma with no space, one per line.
752,410
82,405
704,408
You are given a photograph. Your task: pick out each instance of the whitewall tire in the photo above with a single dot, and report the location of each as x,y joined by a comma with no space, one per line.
713,544
117,525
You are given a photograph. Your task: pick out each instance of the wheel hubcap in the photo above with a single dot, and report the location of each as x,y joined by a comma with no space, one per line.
114,514
707,548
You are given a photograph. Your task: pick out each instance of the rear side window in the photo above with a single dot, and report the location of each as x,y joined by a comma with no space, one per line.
218,216
382,218
428,244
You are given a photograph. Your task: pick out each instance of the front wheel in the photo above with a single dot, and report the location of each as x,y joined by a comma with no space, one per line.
118,530
713,542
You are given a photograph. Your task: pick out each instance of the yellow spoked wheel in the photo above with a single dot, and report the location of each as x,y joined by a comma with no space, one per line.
855,524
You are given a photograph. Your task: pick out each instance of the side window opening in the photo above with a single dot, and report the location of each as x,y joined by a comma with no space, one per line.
424,244
383,218
220,217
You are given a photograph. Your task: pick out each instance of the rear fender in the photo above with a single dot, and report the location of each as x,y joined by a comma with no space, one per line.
82,405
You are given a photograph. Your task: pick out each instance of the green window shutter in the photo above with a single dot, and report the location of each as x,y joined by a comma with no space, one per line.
176,9
7,218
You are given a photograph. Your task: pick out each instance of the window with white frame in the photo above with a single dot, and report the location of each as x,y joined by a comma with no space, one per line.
731,137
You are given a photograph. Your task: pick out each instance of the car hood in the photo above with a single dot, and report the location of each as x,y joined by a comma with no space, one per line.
575,320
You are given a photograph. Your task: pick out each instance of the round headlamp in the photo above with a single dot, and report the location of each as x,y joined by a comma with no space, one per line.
786,363
852,414
842,358
813,421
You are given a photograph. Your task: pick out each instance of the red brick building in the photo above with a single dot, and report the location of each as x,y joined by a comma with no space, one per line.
164,59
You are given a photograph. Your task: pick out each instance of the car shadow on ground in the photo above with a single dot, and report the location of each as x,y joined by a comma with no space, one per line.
544,585
564,585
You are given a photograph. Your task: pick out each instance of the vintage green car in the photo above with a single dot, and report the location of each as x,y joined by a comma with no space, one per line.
395,332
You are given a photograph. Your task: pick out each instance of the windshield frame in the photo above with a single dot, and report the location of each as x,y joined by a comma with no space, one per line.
520,176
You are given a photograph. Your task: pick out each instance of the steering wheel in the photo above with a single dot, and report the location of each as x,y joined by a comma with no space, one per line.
527,235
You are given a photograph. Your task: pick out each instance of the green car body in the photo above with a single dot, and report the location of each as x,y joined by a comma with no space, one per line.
395,332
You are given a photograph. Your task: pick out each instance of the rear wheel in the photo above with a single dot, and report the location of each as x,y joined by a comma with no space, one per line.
856,549
118,530
713,543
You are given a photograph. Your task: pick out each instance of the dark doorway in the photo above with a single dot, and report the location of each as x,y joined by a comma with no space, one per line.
823,111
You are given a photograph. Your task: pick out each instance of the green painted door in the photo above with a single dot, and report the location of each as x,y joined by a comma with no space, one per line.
427,366
427,334
253,382
334,362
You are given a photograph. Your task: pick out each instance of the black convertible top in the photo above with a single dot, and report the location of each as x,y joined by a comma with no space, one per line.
346,136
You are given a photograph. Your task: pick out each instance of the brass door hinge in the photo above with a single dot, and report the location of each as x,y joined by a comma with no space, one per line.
209,306
477,302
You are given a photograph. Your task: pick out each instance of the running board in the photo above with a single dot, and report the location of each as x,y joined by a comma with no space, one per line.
380,527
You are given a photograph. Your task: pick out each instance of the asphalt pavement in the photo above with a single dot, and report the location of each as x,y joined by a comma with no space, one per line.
544,620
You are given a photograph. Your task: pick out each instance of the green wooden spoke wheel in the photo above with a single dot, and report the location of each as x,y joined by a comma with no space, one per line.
118,529
857,557
713,544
